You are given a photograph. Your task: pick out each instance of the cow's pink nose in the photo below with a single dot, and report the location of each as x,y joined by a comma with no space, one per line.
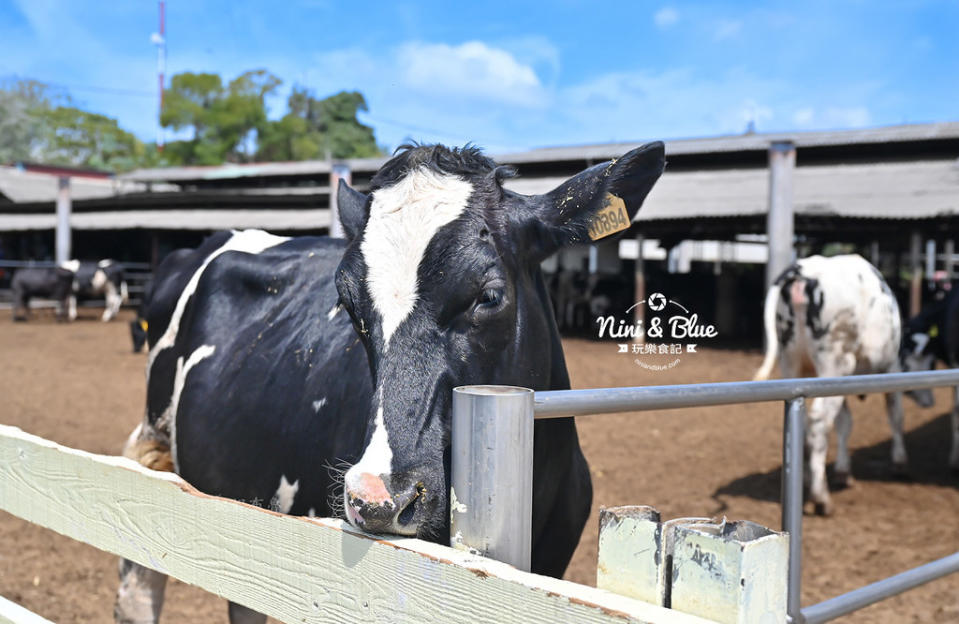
368,488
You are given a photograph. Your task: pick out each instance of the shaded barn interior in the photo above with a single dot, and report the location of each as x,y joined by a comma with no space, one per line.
890,194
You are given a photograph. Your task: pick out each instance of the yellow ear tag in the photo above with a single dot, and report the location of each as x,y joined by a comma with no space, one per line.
143,325
610,219
933,331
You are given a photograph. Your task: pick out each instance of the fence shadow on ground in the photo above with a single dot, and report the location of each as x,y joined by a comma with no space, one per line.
928,448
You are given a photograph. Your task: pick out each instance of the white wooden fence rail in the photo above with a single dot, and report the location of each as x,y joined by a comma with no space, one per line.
291,568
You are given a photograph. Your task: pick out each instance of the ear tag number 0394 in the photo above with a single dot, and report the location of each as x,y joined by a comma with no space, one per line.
611,219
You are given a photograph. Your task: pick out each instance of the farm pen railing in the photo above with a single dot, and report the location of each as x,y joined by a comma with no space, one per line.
566,403
294,569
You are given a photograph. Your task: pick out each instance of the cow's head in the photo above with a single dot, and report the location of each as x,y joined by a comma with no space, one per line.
917,354
441,280
138,333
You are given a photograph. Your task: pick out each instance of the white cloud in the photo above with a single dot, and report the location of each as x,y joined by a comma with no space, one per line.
666,17
471,69
804,117
832,117
727,29
852,117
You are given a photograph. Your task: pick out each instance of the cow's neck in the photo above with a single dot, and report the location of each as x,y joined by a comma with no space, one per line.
558,375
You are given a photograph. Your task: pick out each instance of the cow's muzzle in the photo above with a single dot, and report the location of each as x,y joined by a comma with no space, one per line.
372,506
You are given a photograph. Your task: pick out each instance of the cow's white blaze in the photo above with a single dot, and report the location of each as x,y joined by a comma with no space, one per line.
403,219
248,241
376,460
182,370
70,265
283,499
104,263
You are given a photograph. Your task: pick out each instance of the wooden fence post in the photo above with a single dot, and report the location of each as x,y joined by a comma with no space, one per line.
734,571
630,552
730,572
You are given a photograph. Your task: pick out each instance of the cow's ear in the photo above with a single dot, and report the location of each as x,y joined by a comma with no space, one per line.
351,205
595,203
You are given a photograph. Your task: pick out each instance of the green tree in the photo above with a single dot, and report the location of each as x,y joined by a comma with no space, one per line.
23,104
315,128
71,136
225,120
41,124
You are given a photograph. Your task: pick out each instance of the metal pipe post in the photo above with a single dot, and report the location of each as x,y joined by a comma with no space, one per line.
639,312
63,220
792,485
779,221
915,272
491,493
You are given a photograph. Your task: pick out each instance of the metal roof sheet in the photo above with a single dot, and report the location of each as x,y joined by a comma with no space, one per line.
743,142
174,220
908,190
598,152
28,186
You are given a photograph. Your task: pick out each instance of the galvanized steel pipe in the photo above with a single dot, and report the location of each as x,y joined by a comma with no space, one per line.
563,403
794,424
491,493
880,590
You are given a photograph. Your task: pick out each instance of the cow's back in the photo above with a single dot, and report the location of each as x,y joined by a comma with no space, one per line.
850,310
267,383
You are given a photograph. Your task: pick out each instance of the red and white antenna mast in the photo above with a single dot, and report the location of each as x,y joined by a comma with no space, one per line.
159,40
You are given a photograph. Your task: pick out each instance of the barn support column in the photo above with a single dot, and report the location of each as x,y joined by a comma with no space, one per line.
874,253
64,207
639,276
779,222
915,274
949,250
930,259
337,172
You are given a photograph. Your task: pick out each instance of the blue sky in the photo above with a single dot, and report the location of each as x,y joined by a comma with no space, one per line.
516,75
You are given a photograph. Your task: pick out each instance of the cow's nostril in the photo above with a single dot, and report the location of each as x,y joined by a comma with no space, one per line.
409,510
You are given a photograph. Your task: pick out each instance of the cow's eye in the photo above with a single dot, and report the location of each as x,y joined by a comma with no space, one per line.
491,297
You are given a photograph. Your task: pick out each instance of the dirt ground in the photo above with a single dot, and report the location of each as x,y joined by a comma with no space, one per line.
80,385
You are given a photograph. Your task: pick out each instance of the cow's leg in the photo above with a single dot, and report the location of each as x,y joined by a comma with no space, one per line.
72,308
894,410
113,301
140,594
822,414
843,428
21,303
243,615
954,452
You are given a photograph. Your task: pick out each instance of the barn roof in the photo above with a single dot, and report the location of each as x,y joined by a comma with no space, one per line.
758,142
18,185
897,190
578,155
175,219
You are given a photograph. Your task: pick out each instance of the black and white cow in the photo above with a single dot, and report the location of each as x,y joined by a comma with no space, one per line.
931,336
272,382
172,264
67,282
831,317
43,282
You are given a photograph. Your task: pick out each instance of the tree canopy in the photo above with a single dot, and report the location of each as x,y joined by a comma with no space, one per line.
214,121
